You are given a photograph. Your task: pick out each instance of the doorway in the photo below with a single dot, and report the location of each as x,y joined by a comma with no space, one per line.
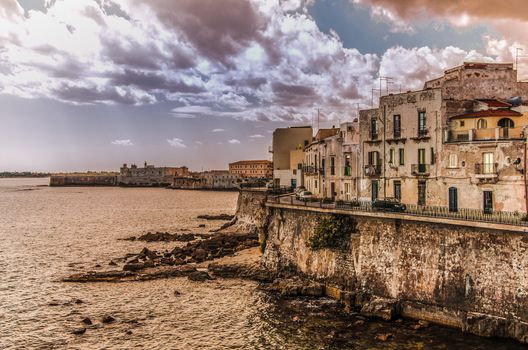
488,202
453,199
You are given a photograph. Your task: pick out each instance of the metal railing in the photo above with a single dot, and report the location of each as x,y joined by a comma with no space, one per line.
420,169
478,215
486,168
372,170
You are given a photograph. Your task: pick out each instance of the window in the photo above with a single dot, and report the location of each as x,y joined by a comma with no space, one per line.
422,131
332,165
421,192
487,163
482,124
462,123
453,160
397,126
315,183
373,129
391,156
432,155
348,169
373,158
397,189
402,156
421,156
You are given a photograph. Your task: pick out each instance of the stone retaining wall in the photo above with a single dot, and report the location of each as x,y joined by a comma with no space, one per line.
471,278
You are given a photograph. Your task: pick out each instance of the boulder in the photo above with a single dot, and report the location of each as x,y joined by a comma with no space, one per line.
383,308
147,253
87,321
107,319
199,276
200,254
79,331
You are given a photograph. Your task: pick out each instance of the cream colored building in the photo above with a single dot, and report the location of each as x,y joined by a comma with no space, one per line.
285,140
331,163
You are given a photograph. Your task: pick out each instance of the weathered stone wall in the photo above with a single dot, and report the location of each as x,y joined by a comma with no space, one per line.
251,212
450,274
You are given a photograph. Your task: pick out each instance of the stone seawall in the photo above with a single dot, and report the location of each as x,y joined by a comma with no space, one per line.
83,180
471,278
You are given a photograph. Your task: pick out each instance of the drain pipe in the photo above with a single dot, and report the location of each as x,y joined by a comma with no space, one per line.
524,175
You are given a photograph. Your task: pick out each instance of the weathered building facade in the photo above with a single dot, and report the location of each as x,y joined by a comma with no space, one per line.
457,143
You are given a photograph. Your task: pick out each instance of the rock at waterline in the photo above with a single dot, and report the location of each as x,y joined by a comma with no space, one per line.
216,217
199,276
79,331
384,336
87,321
108,319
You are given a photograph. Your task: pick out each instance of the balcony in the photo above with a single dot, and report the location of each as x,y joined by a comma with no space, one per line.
309,170
421,134
489,134
421,169
372,170
486,171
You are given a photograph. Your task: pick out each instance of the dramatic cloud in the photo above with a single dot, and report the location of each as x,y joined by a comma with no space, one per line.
126,142
264,60
234,141
176,142
244,59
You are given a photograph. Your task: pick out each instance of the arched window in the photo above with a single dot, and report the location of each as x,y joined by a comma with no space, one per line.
482,124
506,123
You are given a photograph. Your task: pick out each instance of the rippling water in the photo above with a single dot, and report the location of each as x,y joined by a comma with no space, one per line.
48,233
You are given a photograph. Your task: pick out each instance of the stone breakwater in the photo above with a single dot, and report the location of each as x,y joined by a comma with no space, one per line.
470,278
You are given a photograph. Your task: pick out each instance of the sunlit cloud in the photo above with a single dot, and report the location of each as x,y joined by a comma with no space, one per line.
126,142
176,142
234,141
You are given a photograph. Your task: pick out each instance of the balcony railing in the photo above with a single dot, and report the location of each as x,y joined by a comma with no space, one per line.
486,169
372,170
489,134
420,169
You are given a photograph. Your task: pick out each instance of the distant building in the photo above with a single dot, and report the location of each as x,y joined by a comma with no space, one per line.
220,179
261,169
288,164
149,175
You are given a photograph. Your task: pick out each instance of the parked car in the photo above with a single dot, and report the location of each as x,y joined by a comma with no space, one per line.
388,204
299,190
305,196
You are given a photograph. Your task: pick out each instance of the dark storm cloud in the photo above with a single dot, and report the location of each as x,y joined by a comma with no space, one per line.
513,9
218,29
152,81
293,95
84,95
131,53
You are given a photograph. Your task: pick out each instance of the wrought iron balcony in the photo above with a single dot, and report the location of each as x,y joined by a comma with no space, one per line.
421,169
372,170
486,170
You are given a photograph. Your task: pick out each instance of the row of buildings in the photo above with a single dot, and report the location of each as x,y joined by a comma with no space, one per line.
246,172
460,142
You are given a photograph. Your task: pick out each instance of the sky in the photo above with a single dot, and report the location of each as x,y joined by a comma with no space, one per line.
92,84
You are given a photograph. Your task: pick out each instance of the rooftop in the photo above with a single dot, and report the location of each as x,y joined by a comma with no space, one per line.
488,113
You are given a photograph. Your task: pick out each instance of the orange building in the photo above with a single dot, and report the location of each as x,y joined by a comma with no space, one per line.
252,168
